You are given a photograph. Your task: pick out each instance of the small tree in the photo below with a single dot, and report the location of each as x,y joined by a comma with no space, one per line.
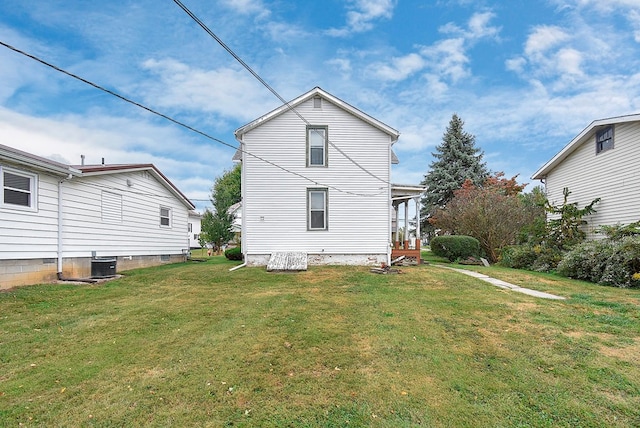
564,228
226,191
494,214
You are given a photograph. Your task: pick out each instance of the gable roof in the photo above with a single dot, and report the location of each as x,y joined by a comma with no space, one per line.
92,170
36,162
317,91
580,139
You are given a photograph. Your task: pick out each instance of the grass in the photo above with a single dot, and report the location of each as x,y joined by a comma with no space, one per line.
196,345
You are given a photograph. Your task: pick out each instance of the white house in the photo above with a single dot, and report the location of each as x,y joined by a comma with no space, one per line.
194,229
57,219
316,179
600,162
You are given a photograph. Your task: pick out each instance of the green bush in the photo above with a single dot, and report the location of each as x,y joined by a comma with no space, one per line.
233,253
455,247
606,262
531,257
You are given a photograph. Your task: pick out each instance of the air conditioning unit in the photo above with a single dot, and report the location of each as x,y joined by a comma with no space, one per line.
103,267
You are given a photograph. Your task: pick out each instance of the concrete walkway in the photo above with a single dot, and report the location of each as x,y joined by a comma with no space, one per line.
505,285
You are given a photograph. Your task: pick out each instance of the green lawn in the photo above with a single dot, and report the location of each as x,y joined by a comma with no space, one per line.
196,345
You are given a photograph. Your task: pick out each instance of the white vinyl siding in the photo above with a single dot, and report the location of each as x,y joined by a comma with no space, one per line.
612,176
19,189
139,233
111,207
275,202
29,234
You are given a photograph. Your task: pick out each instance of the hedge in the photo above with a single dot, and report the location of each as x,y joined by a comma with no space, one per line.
455,247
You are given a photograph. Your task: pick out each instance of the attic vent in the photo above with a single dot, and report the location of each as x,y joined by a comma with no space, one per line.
317,102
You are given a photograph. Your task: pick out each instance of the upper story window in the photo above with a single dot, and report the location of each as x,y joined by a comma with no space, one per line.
317,145
604,139
165,216
18,189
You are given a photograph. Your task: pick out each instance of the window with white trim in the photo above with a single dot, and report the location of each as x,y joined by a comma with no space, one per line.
18,189
317,145
165,217
604,139
317,209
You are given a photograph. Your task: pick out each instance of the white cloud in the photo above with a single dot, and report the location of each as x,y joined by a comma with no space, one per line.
362,14
248,7
446,59
401,67
542,39
227,92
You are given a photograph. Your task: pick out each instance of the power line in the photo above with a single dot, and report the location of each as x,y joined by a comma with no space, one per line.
177,122
266,85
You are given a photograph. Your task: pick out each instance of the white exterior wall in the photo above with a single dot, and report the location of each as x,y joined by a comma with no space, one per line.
275,202
137,233
31,234
612,175
196,229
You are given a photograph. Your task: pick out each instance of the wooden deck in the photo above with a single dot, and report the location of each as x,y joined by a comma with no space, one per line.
411,254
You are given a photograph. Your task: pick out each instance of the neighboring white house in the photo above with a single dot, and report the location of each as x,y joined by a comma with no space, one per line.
55,218
236,226
316,179
194,229
600,162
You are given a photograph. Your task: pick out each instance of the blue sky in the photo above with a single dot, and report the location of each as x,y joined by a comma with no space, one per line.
525,76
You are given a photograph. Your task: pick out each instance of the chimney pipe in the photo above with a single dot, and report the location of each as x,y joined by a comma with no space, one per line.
102,161
82,160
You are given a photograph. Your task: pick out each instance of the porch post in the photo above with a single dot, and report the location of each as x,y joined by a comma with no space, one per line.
406,224
396,244
418,238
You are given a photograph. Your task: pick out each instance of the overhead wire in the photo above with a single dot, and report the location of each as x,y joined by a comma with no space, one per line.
269,87
177,122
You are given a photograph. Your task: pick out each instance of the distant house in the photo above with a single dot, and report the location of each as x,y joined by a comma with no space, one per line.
600,162
236,226
316,178
57,219
194,229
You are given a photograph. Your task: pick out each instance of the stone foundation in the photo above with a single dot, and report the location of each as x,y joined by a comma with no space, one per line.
15,273
326,259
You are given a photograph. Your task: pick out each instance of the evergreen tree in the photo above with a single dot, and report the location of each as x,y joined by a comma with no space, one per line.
457,159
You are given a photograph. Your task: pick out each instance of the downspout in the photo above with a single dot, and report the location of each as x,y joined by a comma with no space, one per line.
238,267
60,210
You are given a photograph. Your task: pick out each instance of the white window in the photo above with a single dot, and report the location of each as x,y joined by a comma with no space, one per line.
317,146
317,209
165,216
18,189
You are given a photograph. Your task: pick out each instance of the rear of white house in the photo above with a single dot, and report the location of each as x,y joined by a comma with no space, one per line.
316,179
55,219
600,162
